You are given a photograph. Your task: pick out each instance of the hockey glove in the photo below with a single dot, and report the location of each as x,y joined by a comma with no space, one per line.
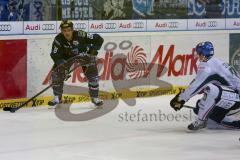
177,104
93,52
60,62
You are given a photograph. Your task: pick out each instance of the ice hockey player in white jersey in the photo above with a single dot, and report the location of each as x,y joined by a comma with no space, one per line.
220,86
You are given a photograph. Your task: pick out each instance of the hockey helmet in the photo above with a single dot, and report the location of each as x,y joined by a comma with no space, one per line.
206,49
66,24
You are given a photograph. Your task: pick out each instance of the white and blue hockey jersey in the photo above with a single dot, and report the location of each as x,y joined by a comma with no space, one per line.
213,71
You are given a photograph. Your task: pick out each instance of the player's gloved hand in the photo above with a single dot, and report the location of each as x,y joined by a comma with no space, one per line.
60,62
93,52
176,103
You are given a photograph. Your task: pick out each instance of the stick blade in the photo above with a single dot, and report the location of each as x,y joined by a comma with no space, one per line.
6,108
12,110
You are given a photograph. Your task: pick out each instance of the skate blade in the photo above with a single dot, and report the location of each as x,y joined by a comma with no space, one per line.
194,131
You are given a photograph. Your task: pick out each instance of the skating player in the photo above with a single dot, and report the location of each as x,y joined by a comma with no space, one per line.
69,44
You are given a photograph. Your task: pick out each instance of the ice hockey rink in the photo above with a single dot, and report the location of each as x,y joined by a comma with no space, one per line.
37,134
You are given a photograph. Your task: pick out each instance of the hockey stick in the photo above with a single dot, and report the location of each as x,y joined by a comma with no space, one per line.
190,107
25,103
233,112
229,114
12,110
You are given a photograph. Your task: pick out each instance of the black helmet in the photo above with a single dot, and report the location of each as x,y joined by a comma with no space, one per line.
66,24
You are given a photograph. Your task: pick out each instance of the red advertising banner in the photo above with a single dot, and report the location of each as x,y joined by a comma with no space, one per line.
13,69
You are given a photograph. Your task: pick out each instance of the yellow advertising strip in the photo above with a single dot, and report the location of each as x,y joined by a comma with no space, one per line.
123,94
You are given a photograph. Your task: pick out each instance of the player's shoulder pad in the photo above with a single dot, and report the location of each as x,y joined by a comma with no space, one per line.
81,33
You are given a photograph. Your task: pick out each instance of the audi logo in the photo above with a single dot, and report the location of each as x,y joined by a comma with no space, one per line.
212,24
5,27
48,27
80,26
110,26
172,24
138,25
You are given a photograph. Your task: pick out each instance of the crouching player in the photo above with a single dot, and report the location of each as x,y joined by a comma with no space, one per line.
212,77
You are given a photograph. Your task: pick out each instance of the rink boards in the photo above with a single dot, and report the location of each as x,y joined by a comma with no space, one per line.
130,64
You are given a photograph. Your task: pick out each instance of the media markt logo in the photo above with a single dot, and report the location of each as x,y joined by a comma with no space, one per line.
127,60
136,62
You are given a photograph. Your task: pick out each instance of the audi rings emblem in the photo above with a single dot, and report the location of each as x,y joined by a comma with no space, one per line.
48,27
110,25
138,25
172,24
5,27
212,24
80,26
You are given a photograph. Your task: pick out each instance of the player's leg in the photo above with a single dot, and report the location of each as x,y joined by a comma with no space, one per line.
58,76
91,73
206,104
226,114
226,123
222,115
232,118
219,119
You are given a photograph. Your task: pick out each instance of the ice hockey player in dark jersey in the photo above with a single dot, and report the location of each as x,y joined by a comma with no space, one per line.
67,45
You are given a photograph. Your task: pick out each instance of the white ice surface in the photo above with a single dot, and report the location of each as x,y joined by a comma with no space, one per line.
37,134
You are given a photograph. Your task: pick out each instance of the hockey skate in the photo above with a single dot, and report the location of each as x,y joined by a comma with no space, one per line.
97,102
53,103
196,125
